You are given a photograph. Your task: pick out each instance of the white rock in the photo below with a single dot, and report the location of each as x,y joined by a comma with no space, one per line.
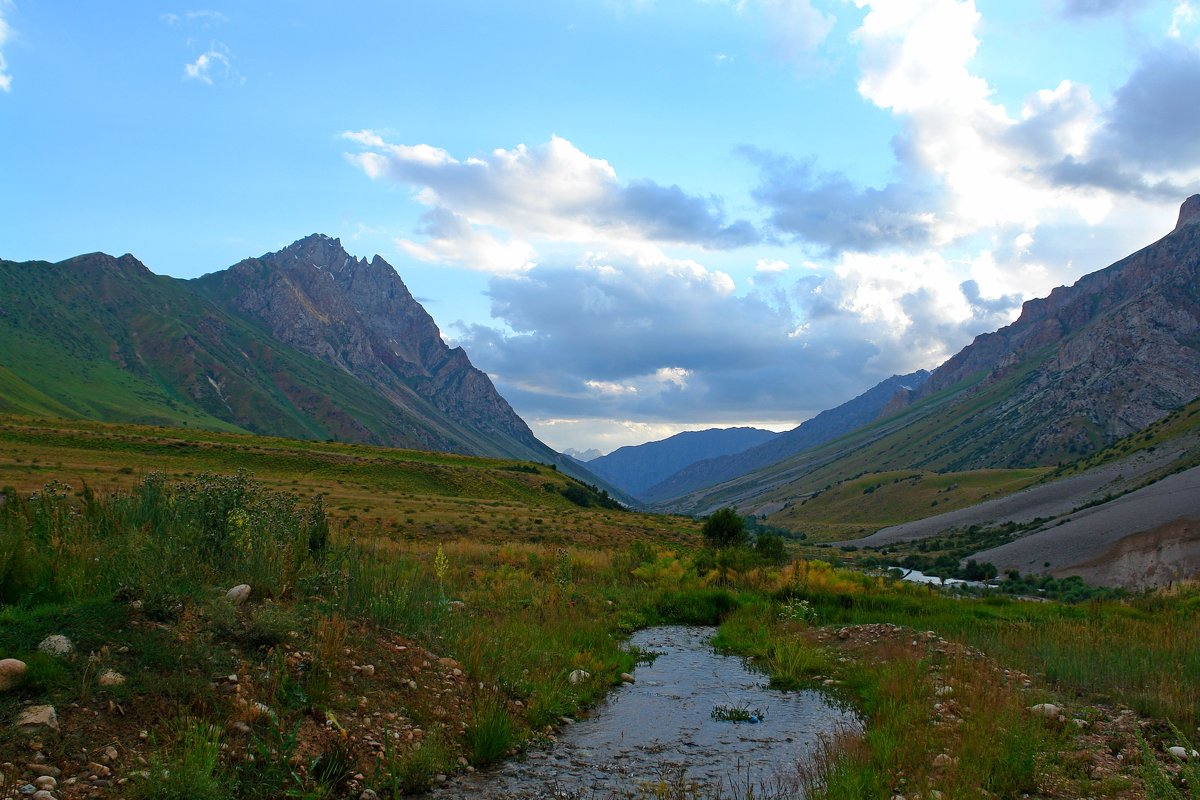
943,691
12,672
110,677
56,645
238,594
35,719
579,675
1182,753
1047,710
627,678
46,782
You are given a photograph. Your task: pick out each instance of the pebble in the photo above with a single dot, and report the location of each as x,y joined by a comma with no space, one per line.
239,594
46,782
12,672
56,645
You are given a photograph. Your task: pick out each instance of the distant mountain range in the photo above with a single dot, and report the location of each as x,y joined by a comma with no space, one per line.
717,467
1115,352
308,342
582,455
636,468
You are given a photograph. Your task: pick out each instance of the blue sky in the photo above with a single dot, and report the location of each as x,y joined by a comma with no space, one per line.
639,216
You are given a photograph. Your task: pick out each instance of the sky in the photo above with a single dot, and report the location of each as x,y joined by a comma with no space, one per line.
638,216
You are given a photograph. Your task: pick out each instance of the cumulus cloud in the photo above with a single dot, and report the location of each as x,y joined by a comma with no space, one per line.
829,210
965,164
5,32
552,191
670,342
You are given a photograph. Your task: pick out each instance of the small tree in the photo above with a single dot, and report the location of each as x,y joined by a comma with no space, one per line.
724,529
769,547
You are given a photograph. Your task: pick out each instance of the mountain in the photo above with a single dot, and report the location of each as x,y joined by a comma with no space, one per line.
1075,372
582,455
359,317
636,468
305,343
821,428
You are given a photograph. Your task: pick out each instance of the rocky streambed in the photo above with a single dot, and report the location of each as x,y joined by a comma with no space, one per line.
661,730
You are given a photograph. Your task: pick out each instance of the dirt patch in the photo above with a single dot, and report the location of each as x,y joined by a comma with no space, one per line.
1156,557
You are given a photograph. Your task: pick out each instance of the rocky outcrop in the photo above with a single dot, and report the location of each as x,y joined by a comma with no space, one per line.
1095,361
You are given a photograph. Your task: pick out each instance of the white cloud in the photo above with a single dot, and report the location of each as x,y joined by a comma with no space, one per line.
215,64
550,192
1182,17
771,265
5,33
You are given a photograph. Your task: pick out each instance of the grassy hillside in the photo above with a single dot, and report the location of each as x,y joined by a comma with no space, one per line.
397,493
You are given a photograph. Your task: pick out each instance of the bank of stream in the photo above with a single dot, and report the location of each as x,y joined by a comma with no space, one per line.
661,730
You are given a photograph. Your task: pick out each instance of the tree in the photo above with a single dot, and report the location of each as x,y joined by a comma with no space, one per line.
724,529
769,547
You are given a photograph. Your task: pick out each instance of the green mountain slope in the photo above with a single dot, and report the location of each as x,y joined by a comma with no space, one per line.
1077,371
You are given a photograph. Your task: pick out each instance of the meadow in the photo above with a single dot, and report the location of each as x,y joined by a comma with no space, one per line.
387,649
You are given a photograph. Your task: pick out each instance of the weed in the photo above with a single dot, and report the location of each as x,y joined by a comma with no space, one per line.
490,731
742,713
190,769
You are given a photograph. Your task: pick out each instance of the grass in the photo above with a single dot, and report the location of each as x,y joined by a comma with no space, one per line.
470,652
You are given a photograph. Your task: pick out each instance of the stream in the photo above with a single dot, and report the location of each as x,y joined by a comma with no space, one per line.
661,729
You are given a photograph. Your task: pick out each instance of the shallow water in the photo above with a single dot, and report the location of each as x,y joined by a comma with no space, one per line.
661,728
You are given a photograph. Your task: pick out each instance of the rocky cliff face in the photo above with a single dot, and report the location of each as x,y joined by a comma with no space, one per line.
360,317
1102,358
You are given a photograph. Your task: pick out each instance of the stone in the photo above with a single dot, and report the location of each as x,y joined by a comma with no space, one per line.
627,678
239,594
42,794
110,754
37,719
56,645
367,670
110,677
942,760
12,672
457,605
368,794
1182,753
46,782
579,675
1047,710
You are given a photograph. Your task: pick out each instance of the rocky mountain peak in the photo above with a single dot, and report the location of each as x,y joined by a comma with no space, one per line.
1189,212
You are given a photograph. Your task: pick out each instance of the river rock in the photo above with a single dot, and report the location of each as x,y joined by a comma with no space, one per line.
627,678
46,782
43,794
239,594
56,645
12,672
36,719
579,675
